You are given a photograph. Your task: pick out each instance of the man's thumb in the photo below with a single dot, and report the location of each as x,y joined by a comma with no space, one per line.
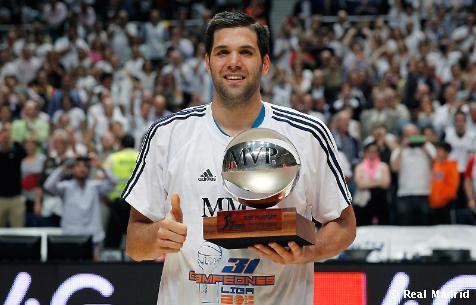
176,210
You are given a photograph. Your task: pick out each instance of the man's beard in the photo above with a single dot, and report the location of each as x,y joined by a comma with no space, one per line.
242,96
81,178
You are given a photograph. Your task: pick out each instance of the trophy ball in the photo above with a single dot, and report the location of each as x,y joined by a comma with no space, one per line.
260,167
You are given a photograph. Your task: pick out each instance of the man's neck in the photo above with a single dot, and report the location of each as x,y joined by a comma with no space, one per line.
233,120
81,182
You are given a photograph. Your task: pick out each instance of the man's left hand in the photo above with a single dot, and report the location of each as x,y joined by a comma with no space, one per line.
293,254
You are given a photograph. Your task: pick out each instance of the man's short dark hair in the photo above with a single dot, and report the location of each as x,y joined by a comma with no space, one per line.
81,158
128,141
236,19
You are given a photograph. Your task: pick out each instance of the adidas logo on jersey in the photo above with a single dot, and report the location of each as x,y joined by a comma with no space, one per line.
207,176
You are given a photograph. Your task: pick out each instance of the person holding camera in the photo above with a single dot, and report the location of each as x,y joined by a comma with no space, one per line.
80,196
412,161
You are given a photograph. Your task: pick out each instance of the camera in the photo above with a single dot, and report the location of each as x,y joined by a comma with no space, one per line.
416,141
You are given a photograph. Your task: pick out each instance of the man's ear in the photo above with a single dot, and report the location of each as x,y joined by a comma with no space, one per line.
266,64
207,62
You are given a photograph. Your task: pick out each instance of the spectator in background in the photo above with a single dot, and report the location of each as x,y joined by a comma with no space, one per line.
27,65
471,116
344,140
372,177
12,203
31,125
308,106
342,24
183,77
120,32
399,113
12,95
444,115
180,43
461,139
31,169
166,86
284,45
412,160
427,112
378,115
323,109
333,77
444,185
134,66
430,135
301,78
121,164
59,152
55,13
140,122
159,108
68,88
5,114
101,116
146,77
281,88
155,33
76,115
347,99
106,146
96,50
54,70
318,89
80,195
68,48
86,14
202,82
463,143
386,142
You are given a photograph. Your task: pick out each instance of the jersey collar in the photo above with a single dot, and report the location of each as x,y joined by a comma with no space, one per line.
258,121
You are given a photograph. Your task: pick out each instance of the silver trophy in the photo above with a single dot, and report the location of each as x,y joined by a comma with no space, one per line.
260,168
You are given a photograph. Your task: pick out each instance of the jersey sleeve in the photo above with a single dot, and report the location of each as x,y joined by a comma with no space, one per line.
331,192
145,189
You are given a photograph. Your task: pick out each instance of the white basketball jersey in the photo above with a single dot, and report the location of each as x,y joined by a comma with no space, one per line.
183,154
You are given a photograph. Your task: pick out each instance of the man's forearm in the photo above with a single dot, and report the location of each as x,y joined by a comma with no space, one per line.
52,181
141,241
334,237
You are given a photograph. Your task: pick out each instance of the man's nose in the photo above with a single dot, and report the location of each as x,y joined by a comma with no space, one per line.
235,60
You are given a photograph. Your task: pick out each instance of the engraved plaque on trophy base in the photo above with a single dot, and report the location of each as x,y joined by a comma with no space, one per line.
240,229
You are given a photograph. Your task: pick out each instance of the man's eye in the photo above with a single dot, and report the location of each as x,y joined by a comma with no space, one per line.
221,53
246,52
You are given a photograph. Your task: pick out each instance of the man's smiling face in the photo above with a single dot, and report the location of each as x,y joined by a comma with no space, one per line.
235,65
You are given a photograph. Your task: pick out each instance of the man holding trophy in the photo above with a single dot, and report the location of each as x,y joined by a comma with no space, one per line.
205,168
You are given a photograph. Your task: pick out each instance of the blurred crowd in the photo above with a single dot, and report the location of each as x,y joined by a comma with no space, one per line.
81,81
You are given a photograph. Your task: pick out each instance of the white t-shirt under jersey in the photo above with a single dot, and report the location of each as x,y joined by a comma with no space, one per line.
177,152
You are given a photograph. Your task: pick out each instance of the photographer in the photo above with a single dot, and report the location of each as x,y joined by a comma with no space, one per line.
80,195
413,161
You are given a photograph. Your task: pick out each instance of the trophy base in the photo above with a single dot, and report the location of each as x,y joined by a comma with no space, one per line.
240,229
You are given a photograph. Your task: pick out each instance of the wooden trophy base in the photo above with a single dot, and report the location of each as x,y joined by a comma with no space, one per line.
240,229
